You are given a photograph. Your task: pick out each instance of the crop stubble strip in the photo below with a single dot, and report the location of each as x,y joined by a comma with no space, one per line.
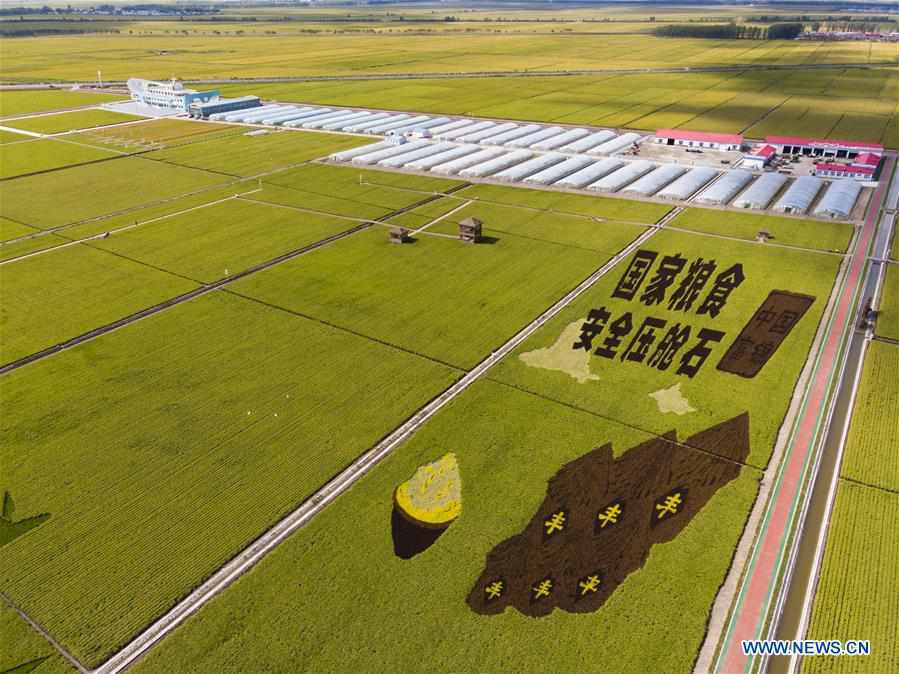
210,287
352,473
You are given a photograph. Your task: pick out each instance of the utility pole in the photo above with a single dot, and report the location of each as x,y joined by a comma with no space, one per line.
100,78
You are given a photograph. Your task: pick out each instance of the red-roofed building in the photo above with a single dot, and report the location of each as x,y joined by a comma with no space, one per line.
845,171
867,159
760,157
715,141
818,147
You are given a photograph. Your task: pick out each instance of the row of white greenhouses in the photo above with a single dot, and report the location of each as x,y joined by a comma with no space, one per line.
634,177
537,137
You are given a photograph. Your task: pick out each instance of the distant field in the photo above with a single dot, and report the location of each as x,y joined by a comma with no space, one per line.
508,444
623,390
888,312
60,294
851,104
817,234
861,559
205,424
25,102
245,155
870,456
69,121
98,189
45,155
225,56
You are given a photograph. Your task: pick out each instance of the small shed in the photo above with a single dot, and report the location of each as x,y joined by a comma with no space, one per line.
399,235
470,230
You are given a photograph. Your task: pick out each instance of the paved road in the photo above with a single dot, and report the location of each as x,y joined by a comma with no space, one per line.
754,601
739,67
794,608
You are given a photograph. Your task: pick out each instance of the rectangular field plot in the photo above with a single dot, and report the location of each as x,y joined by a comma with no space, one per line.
162,449
888,312
646,382
508,444
44,155
70,121
348,192
10,229
870,456
7,137
24,650
439,297
58,295
25,102
246,155
155,134
83,192
855,598
818,234
207,244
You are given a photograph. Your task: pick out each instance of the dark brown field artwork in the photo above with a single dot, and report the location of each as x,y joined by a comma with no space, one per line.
602,515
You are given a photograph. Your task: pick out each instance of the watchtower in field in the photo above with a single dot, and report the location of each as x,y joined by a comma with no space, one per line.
470,230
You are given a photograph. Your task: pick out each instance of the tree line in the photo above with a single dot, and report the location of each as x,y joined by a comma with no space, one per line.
732,31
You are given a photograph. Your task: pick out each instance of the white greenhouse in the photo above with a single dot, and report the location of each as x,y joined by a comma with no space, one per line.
622,142
340,124
513,134
539,163
589,142
464,130
688,184
536,137
400,129
321,122
562,139
655,180
392,151
839,199
483,132
454,152
761,192
365,125
450,126
240,114
455,165
725,188
491,166
561,170
281,117
623,176
590,174
346,155
329,115
399,122
800,195
400,160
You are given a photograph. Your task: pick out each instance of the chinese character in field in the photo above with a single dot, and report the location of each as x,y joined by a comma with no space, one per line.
689,288
633,276
669,345
643,339
542,588
669,268
591,328
696,356
555,523
618,329
761,352
588,584
669,505
494,590
785,322
609,516
725,283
